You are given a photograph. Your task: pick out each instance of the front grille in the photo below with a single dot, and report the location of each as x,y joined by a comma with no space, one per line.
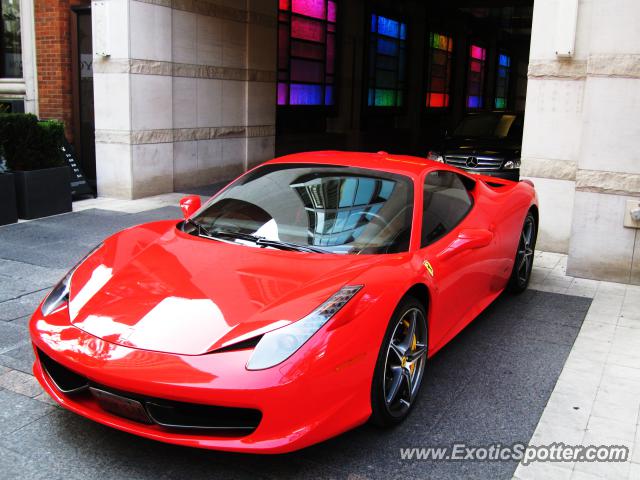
168,414
484,163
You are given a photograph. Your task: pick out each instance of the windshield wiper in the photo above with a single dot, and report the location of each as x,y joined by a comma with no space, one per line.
202,230
289,246
264,242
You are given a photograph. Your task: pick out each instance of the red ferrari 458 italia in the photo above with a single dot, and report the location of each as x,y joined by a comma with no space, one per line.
304,299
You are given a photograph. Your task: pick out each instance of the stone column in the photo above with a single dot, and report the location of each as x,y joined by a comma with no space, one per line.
198,94
581,137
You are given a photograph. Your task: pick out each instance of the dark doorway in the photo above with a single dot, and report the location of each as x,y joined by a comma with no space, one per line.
83,113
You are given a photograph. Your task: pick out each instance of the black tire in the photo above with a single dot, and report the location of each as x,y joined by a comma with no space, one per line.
523,264
401,364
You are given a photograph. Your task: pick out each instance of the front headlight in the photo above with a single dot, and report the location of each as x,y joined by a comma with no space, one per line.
278,345
58,296
60,293
511,164
435,156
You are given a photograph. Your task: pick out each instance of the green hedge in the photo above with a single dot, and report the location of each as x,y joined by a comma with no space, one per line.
28,144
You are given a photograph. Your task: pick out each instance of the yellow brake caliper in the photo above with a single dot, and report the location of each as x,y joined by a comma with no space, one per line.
414,344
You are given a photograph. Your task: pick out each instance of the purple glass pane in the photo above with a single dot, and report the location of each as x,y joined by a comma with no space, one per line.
282,93
331,13
306,71
474,102
307,29
305,94
310,8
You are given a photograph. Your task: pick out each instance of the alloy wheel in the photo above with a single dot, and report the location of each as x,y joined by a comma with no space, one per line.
405,362
524,259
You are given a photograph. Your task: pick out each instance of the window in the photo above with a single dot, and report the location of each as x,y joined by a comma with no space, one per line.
475,77
340,210
387,62
446,202
439,79
10,43
306,52
502,81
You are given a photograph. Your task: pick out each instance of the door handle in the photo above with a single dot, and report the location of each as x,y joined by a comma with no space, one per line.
467,239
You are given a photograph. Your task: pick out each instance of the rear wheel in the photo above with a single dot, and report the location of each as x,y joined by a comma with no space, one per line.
523,264
401,364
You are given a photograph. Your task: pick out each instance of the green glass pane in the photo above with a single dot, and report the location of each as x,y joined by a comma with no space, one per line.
501,103
385,98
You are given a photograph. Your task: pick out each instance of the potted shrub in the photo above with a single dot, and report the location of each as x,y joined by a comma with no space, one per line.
32,152
8,208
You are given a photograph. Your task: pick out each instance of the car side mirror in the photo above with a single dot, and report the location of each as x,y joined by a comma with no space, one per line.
467,239
190,205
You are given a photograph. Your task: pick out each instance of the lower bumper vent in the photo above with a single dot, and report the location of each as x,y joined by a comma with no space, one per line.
168,414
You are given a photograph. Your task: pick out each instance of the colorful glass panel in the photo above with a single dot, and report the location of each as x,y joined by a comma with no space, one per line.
331,12
309,8
283,93
387,62
502,82
306,71
475,77
306,52
388,27
478,53
306,29
439,76
303,94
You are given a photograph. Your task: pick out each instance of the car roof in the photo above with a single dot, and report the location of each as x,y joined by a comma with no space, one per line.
406,165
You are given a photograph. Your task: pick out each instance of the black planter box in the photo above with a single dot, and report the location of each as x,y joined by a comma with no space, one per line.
45,192
8,207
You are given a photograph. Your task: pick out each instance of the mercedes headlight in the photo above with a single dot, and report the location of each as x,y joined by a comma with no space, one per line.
511,164
435,156
60,293
276,346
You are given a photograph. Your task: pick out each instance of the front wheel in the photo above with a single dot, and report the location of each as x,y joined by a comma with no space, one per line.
523,264
401,364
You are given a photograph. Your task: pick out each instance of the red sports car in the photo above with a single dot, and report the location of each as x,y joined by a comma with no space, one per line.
301,301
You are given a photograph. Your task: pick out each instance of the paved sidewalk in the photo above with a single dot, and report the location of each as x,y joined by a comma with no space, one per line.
596,400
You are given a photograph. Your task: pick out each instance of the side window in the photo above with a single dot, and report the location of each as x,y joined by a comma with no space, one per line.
446,203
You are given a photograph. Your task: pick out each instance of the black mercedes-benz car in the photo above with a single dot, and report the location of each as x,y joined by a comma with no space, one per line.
488,143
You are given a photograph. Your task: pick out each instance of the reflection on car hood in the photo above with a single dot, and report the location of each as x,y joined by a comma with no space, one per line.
156,288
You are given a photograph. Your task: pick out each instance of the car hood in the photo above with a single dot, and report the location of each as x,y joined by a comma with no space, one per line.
172,292
491,147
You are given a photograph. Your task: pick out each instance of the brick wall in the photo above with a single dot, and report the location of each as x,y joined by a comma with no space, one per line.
53,56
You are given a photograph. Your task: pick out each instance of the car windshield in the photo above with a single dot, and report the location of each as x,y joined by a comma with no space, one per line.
332,209
486,125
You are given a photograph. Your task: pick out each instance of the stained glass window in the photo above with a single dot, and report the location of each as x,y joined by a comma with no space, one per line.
387,62
306,52
502,81
439,78
475,77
